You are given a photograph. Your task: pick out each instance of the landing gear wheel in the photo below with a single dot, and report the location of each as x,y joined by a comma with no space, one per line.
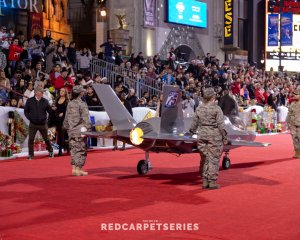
142,167
226,163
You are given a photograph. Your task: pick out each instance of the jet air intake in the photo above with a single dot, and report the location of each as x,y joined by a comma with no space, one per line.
137,134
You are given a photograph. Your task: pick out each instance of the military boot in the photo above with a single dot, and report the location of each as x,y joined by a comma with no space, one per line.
297,154
73,170
80,172
205,184
77,171
213,185
83,173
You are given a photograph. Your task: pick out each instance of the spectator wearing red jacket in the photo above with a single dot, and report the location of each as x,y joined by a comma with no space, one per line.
266,94
236,87
259,96
55,73
14,54
64,81
291,98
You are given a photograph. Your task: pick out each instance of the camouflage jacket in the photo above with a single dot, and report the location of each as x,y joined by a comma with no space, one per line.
293,118
77,116
208,122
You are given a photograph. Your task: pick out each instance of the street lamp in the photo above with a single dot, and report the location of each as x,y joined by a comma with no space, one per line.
102,10
103,13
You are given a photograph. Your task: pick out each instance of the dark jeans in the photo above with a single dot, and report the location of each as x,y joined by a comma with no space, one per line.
62,138
33,128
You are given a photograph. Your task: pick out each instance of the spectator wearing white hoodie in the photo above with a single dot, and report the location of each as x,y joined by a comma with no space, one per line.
84,60
188,104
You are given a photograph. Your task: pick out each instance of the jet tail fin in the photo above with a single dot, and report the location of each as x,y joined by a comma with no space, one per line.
171,113
116,111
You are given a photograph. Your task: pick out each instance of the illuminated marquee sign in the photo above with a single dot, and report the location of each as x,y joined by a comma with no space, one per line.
282,31
287,6
228,22
31,5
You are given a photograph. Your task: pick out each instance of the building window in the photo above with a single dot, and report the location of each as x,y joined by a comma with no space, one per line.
243,24
243,34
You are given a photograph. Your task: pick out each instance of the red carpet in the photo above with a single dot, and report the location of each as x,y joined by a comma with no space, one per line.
259,198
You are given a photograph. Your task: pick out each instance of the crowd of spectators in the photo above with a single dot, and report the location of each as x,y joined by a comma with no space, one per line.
245,83
48,63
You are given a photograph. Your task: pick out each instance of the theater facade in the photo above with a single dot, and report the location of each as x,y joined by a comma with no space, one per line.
36,17
219,27
154,26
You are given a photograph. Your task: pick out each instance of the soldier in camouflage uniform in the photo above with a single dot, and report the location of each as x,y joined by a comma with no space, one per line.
293,121
76,122
208,122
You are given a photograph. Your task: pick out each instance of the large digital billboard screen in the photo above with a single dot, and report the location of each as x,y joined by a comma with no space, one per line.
282,42
187,12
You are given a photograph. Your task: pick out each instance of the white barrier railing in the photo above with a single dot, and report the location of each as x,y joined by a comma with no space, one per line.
101,119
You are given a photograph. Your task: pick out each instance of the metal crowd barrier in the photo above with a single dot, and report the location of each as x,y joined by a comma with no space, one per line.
131,79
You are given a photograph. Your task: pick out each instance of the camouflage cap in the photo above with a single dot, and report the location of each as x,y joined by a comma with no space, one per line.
78,89
208,92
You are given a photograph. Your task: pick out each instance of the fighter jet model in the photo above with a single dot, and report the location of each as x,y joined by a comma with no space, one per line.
165,133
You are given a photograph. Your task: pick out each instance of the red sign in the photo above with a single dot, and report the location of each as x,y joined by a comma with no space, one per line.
283,6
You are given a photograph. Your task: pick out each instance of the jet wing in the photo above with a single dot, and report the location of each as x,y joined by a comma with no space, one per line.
170,136
100,134
181,137
244,143
110,134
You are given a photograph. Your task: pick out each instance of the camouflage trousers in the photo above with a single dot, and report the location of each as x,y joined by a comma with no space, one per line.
78,151
296,138
210,152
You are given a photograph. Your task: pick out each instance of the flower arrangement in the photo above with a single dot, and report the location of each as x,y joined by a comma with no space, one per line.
5,143
7,147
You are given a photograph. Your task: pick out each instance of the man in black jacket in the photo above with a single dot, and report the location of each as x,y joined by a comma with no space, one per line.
35,110
228,105
71,54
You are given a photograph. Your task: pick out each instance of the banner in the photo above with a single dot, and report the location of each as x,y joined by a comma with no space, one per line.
36,24
228,22
149,13
273,22
286,29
